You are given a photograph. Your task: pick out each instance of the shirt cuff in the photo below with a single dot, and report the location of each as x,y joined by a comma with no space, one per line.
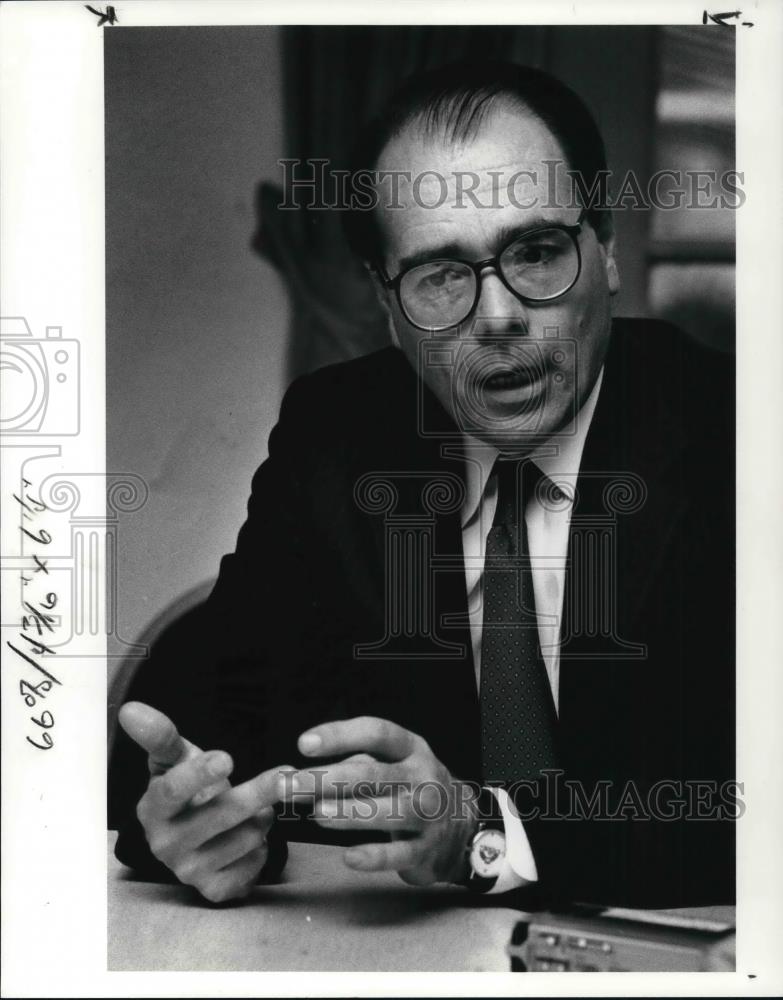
520,865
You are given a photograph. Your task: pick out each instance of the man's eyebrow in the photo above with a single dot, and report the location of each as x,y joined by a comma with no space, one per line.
506,234
454,250
441,251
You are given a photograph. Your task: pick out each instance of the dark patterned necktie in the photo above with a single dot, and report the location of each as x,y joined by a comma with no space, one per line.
518,719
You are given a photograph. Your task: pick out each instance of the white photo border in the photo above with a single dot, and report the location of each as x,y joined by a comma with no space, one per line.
53,240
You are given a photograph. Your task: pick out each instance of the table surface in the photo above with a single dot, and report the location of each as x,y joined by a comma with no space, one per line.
326,917
323,917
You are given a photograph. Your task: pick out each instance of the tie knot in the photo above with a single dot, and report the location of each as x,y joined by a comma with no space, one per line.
517,481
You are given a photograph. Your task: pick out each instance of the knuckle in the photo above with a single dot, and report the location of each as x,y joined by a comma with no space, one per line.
407,772
368,723
263,821
188,871
143,809
234,812
260,801
165,788
249,838
213,891
256,839
416,771
380,774
255,859
384,728
161,846
362,759
222,811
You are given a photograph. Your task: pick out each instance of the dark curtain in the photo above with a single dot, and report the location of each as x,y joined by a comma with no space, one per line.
335,80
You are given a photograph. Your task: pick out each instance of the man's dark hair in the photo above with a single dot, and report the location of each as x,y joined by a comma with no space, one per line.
453,102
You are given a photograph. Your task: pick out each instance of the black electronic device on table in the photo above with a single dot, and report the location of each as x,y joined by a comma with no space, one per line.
592,939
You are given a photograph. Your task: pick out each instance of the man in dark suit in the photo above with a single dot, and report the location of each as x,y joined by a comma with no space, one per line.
483,599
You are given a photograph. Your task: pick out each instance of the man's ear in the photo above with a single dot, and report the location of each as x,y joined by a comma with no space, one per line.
381,292
610,263
382,295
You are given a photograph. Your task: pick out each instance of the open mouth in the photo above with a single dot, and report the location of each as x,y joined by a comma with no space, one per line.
510,378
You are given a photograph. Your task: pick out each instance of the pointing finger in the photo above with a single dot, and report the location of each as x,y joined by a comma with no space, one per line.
155,733
396,856
382,813
365,734
259,792
253,798
357,775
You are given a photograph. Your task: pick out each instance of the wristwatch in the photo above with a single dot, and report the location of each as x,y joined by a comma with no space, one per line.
487,848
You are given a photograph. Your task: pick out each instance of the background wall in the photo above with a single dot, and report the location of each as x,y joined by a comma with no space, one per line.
196,321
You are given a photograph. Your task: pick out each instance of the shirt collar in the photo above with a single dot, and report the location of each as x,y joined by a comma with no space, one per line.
558,457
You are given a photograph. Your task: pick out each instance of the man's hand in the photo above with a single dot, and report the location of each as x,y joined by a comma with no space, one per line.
212,836
391,782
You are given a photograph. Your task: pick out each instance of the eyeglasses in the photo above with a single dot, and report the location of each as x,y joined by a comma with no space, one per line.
539,266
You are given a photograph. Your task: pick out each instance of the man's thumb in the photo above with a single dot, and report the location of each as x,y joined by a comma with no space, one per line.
155,733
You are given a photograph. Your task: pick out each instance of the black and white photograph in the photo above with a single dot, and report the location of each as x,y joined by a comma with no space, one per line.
417,566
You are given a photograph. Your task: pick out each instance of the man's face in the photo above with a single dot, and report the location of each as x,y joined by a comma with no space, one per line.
513,371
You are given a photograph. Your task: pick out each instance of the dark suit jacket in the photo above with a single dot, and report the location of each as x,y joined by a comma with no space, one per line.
301,627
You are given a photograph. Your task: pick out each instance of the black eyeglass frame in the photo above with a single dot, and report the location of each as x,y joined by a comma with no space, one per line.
481,265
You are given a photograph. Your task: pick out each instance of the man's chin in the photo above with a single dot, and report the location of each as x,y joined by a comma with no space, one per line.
511,440
518,435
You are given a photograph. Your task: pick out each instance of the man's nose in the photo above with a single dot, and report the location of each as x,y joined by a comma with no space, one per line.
498,304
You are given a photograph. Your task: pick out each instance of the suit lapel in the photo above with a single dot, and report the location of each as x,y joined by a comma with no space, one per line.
433,662
411,499
628,508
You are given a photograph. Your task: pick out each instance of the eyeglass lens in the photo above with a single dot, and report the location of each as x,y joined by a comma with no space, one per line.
442,293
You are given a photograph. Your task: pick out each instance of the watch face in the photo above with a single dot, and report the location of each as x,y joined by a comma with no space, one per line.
487,853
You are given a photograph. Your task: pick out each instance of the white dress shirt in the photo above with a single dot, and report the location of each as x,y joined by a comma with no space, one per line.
559,458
